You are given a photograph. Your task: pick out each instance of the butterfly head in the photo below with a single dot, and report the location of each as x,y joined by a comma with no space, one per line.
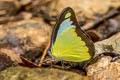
49,51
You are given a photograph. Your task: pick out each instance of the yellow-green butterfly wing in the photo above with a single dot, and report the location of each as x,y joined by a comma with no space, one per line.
68,41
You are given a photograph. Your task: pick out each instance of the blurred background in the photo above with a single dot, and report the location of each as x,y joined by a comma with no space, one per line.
26,27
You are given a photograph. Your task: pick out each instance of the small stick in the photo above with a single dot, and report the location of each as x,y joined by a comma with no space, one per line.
44,54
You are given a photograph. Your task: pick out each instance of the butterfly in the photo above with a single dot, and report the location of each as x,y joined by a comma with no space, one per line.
68,41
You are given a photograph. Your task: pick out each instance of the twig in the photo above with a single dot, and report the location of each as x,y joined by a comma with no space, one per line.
107,16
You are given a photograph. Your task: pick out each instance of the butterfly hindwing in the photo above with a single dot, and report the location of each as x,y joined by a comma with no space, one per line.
68,41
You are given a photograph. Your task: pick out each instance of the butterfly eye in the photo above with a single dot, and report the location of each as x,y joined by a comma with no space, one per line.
68,15
49,52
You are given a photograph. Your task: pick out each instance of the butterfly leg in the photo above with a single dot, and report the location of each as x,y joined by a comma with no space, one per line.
62,63
49,61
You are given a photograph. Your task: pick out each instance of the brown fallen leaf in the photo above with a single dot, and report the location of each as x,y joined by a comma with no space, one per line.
94,35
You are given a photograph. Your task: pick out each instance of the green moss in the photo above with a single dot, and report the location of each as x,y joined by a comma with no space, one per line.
23,73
